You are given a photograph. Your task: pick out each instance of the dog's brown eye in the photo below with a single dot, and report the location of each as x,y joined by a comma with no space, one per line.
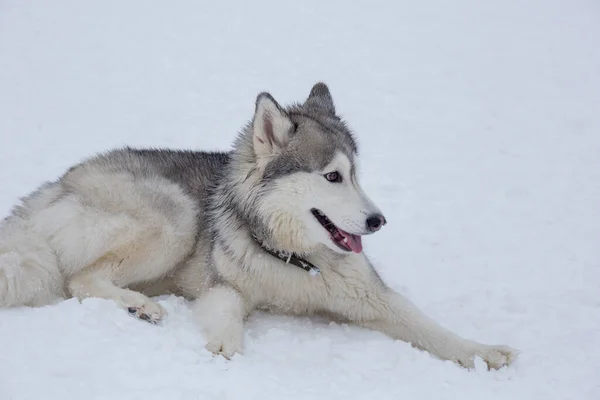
333,176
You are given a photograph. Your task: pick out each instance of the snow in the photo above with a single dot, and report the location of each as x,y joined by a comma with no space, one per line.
480,139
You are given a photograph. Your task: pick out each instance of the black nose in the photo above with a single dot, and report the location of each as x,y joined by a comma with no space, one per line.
375,222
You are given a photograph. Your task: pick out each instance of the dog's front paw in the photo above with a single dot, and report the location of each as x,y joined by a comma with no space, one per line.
220,313
226,344
495,357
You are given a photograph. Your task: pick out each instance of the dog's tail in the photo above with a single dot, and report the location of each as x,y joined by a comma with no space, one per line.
29,274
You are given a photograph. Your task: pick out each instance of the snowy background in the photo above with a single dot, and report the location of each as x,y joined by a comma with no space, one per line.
479,126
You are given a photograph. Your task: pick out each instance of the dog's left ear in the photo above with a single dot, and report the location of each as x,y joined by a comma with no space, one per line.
271,125
320,99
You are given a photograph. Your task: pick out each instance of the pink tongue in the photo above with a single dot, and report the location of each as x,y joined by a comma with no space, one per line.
354,241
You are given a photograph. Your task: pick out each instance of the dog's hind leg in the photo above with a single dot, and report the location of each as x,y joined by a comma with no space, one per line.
108,252
103,279
123,232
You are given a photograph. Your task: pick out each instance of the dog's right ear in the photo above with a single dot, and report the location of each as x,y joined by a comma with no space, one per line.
271,127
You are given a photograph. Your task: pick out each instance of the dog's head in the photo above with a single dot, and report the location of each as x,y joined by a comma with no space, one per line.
307,193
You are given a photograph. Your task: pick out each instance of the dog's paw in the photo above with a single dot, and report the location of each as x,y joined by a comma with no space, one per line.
141,306
220,314
495,357
224,334
227,344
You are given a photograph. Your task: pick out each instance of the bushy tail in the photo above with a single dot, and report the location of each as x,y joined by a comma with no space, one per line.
29,274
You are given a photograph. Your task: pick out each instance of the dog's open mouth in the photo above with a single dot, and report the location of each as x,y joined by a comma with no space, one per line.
344,240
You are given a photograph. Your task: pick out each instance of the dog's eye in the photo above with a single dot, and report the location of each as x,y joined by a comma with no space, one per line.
333,177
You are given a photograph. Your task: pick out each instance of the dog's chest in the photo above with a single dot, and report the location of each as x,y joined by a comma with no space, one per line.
286,287
267,282
289,289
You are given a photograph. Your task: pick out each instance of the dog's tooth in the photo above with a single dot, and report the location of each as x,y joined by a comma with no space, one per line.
346,240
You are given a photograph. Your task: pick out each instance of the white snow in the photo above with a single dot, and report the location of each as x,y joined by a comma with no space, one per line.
480,135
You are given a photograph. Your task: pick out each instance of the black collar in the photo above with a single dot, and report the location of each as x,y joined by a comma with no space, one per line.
290,258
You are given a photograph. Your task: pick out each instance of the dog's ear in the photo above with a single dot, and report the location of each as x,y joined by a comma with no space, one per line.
320,99
271,125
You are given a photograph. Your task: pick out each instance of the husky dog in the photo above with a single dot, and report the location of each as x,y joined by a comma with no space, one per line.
275,224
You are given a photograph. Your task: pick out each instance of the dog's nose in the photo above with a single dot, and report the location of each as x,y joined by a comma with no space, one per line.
375,222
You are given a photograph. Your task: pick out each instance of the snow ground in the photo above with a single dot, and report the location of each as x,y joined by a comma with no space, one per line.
480,137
